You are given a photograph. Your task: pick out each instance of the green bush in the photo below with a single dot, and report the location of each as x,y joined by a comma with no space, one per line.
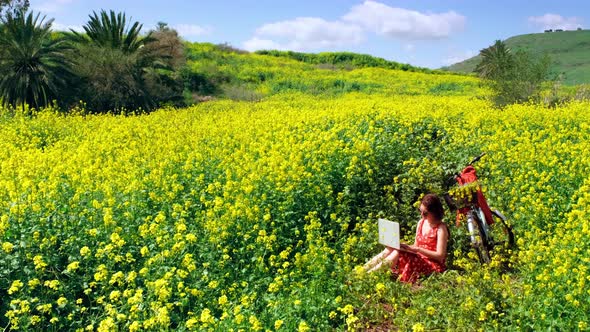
514,77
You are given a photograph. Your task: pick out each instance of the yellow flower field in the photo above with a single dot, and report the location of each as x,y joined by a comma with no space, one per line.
255,216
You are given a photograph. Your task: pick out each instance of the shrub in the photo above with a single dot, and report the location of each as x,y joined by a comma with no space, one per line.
241,92
515,77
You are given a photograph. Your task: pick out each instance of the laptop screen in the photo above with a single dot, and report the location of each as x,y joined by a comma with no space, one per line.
389,233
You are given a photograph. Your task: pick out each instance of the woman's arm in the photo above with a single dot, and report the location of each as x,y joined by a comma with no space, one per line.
417,230
410,247
441,246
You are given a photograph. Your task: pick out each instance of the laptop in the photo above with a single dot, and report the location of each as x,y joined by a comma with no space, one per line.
389,233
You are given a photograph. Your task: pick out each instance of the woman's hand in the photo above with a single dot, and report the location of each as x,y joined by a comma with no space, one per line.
408,247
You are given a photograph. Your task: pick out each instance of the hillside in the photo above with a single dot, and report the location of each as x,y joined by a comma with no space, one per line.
569,52
345,60
224,72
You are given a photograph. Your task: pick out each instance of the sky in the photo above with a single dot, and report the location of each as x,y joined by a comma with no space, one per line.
425,33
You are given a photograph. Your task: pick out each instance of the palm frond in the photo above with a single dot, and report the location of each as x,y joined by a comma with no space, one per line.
111,30
31,60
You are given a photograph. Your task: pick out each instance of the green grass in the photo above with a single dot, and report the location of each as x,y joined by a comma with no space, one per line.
224,72
569,52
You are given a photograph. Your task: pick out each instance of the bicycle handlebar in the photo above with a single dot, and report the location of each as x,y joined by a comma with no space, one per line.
451,180
476,159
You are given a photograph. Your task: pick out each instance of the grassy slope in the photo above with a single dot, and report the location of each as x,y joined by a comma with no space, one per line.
238,75
569,52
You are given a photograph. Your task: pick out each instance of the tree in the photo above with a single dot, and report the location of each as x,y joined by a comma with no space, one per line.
111,80
113,61
166,82
13,7
34,67
496,61
111,31
167,45
514,77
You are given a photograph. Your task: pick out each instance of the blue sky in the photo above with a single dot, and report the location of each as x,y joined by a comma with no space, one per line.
425,33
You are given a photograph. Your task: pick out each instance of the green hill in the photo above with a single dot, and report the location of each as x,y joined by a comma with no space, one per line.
221,71
344,60
569,52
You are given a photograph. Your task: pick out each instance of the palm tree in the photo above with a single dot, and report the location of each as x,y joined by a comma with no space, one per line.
514,77
113,63
496,61
34,67
111,31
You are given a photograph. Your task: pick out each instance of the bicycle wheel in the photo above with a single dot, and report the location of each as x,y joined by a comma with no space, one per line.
502,231
479,237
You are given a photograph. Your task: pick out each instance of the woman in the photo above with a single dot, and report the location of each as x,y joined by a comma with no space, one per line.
429,251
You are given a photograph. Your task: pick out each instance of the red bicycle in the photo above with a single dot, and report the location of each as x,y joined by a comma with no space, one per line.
467,199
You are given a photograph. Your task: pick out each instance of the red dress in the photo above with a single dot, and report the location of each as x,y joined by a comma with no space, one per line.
410,265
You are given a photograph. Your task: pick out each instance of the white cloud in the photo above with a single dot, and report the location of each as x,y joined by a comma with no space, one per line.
191,30
56,26
409,47
256,43
554,21
403,23
51,6
459,56
304,33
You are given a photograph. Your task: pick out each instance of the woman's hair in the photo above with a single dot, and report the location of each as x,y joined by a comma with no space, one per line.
433,205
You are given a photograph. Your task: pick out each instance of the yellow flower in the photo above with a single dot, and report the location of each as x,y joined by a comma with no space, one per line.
482,316
430,310
73,266
222,300
84,251
15,287
347,310
44,308
490,306
303,327
117,278
61,302
418,327
35,320
101,273
206,317
191,238
39,263
7,247
359,271
107,324
254,323
115,296
52,284
380,288
163,316
135,326
191,323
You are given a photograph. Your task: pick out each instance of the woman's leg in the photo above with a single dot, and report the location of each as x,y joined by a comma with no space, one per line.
390,259
378,258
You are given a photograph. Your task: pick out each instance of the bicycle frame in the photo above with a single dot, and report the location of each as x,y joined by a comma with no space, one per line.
477,213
